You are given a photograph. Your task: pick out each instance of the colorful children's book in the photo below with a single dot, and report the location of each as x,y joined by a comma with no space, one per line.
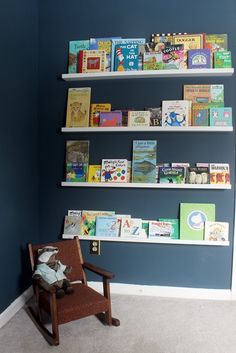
139,118
126,57
113,118
173,57
221,116
74,48
174,226
156,116
219,173
199,59
159,229
77,151
88,224
144,161
91,61
135,227
95,110
216,42
114,170
153,61
212,94
76,172
94,173
72,225
103,44
200,114
222,59
171,175
119,218
78,105
106,226
175,113
125,227
192,219
198,175
216,231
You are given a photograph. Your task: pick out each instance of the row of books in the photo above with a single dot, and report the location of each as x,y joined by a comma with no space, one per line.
143,167
197,222
202,105
162,51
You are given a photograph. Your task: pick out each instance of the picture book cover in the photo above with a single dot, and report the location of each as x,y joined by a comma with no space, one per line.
184,165
159,229
74,47
212,94
90,61
219,173
125,227
114,170
94,173
190,41
198,175
113,118
103,44
174,222
153,61
156,116
173,57
216,42
126,57
171,175
95,110
192,219
116,42
144,161
199,59
161,40
221,116
119,218
72,225
88,222
106,226
200,114
222,59
77,151
135,227
216,231
139,118
76,172
78,105
175,113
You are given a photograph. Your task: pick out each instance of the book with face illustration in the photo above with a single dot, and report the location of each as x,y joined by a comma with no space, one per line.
144,161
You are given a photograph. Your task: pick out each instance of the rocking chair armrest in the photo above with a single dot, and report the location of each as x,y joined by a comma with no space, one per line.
98,270
43,285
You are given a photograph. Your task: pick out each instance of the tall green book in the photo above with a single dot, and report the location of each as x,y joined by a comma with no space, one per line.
192,219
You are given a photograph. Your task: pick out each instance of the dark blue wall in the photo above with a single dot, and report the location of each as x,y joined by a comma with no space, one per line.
18,141
172,265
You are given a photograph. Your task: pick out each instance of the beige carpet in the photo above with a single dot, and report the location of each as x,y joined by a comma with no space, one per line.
148,325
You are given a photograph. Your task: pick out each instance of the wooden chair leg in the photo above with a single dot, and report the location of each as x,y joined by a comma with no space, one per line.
109,320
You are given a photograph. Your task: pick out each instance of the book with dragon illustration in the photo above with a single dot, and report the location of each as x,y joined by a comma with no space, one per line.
74,48
114,170
88,222
144,161
78,106
175,113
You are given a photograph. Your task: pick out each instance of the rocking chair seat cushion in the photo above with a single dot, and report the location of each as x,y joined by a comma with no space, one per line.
84,301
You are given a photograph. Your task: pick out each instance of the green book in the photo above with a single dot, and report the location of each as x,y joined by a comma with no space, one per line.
174,226
222,59
192,219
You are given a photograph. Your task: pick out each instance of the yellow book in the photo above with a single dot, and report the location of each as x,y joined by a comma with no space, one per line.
78,106
94,173
95,110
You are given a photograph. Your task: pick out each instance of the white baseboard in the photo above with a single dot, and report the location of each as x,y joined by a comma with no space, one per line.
168,292
15,306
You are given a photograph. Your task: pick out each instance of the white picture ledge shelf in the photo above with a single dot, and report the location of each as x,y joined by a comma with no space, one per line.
150,129
147,74
151,241
147,185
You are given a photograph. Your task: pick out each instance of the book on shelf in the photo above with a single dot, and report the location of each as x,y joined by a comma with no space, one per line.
174,226
78,106
216,231
216,42
139,118
222,59
72,225
91,61
135,227
95,110
103,44
114,170
88,223
74,48
129,171
106,226
113,118
173,57
158,166
161,40
221,116
76,172
74,213
126,57
144,161
145,228
153,61
125,226
185,165
156,116
77,160
94,173
212,94
192,219
198,175
199,59
159,229
175,113
171,175
219,173
119,218
200,114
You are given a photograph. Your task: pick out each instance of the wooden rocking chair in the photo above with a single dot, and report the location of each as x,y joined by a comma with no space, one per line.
84,301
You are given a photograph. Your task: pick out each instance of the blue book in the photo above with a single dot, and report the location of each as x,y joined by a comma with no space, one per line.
115,42
126,57
74,48
221,116
144,161
199,59
106,226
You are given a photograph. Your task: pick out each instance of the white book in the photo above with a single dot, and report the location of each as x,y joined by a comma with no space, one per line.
139,118
175,113
125,226
216,231
135,227
114,170
119,218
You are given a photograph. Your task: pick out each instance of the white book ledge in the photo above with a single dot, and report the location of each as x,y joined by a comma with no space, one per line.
150,240
147,74
147,185
150,129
